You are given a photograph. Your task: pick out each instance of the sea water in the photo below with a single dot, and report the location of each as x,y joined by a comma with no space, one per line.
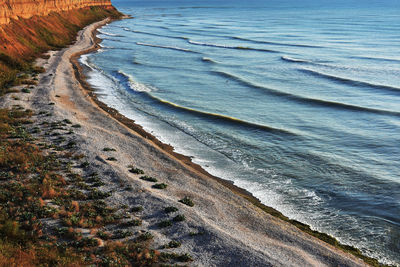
296,101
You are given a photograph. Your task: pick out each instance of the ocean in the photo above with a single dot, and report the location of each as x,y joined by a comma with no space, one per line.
296,101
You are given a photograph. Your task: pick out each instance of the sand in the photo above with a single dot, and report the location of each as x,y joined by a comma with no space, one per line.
221,229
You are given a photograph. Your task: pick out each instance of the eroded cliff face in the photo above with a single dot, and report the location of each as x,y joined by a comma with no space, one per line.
15,9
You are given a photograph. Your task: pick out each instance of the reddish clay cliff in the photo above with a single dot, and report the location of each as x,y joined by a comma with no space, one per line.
15,9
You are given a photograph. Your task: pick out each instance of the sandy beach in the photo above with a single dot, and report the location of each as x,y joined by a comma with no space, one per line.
221,229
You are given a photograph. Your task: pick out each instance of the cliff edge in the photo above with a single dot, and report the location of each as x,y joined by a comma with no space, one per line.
30,27
15,9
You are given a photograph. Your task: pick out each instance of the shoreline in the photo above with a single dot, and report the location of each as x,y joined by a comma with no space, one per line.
243,226
186,161
130,123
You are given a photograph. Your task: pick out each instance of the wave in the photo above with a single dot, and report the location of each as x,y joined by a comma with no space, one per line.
351,81
295,60
134,85
156,34
305,100
168,47
224,118
232,47
275,43
109,34
377,58
210,60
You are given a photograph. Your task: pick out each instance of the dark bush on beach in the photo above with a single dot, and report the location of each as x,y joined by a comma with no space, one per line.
144,237
136,171
170,209
164,224
149,179
137,209
179,218
107,149
160,186
187,201
173,244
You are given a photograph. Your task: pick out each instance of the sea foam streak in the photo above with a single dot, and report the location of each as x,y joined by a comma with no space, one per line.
306,100
155,34
225,118
275,43
168,47
350,81
109,34
295,60
134,85
232,47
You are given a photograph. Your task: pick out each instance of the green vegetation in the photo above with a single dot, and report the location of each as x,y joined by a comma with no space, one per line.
31,179
137,209
170,209
160,186
173,244
179,218
136,170
187,201
164,224
149,179
106,149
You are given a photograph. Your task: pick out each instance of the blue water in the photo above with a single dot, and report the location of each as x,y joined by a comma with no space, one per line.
296,101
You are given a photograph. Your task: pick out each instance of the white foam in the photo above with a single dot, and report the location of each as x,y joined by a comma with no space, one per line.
134,85
106,33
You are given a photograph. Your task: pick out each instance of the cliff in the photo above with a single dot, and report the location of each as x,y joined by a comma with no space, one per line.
15,9
31,27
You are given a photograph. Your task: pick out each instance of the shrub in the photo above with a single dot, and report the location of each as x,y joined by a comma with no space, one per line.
187,201
135,222
144,237
103,235
136,171
149,179
119,234
25,90
170,209
173,244
164,224
137,209
160,186
111,159
108,149
179,218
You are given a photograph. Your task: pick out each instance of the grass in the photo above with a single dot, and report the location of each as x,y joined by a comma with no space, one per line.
187,201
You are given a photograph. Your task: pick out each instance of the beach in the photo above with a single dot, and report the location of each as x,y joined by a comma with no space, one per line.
223,228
